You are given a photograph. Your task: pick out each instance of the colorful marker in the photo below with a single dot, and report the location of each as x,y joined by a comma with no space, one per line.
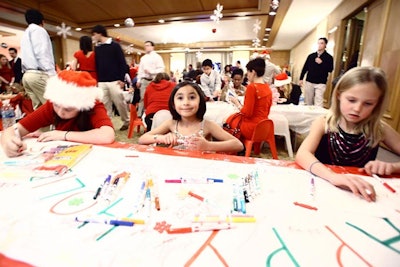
98,191
105,221
305,206
391,189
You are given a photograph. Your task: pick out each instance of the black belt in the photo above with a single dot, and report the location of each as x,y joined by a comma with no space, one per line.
147,79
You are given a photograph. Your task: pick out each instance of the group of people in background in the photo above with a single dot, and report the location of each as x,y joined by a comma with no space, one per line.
77,104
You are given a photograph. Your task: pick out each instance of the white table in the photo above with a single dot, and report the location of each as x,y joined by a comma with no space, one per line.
300,117
219,111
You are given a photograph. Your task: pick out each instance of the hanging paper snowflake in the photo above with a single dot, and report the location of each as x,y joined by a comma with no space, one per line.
129,50
257,26
64,30
199,55
256,42
217,13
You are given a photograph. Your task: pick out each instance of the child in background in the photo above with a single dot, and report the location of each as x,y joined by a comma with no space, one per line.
188,127
210,80
73,107
349,135
19,98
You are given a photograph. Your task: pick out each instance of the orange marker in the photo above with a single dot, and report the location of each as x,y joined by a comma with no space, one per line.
305,206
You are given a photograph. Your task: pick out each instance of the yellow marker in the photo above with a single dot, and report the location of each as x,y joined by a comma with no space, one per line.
135,221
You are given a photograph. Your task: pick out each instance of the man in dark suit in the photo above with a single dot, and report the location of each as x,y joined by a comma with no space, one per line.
15,64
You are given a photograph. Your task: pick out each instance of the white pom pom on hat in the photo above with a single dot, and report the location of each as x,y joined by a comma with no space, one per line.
73,89
282,79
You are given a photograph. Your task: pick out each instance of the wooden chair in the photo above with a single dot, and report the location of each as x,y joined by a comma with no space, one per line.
264,131
135,121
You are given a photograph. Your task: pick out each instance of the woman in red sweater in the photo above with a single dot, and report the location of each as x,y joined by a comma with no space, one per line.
156,96
84,58
6,74
257,100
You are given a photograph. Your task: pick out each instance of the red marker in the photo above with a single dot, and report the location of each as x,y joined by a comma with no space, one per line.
305,206
384,183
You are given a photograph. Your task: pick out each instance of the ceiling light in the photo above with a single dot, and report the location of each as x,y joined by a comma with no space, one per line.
117,25
267,29
161,21
265,39
78,29
272,13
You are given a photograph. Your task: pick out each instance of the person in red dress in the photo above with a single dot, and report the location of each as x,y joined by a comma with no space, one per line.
6,74
257,100
85,58
156,96
73,107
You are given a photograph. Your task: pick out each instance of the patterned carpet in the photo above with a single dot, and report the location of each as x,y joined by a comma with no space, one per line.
122,136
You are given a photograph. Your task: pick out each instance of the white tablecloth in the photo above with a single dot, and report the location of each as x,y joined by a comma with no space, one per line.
300,117
219,111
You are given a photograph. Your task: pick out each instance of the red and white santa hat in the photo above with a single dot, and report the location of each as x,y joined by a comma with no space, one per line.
75,89
282,79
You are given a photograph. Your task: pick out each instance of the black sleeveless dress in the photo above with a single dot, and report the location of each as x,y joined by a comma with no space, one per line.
345,149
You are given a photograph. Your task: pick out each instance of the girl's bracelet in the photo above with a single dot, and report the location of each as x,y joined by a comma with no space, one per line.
311,165
65,136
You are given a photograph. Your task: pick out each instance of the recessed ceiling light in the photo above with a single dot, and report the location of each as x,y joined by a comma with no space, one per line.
78,29
161,21
117,25
265,39
267,29
272,13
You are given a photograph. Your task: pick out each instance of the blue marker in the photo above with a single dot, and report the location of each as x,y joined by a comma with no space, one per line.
106,181
214,180
105,221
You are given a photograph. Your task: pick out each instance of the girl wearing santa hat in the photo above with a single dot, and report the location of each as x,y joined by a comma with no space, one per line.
73,107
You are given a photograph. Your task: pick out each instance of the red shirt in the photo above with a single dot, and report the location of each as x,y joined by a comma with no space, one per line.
7,73
45,114
157,95
257,104
86,62
25,104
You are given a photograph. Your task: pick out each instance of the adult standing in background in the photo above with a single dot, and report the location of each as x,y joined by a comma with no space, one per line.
16,65
270,70
85,57
37,57
317,66
111,69
150,64
6,75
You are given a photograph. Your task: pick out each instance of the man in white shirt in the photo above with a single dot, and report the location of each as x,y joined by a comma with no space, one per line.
37,57
150,64
270,70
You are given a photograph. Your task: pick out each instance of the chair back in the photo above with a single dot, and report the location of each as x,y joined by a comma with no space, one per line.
263,131
159,117
133,112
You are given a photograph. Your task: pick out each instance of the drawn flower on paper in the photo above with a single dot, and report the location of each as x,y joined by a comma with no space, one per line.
64,30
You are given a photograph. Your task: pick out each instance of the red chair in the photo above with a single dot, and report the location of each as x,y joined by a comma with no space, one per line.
134,121
264,131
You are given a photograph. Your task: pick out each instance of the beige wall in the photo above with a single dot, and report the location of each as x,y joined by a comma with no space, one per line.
380,47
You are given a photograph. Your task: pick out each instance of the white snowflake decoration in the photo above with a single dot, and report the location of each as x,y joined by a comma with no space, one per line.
64,30
199,55
217,13
257,26
129,50
256,42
